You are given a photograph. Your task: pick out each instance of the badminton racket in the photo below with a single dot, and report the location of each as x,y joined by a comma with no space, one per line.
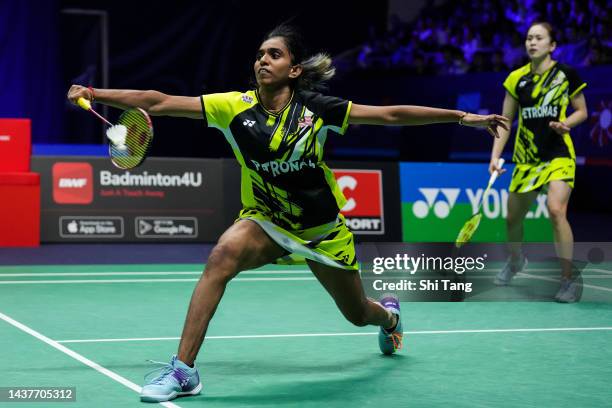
130,138
471,225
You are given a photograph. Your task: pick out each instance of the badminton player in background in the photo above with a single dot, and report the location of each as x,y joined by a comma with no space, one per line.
544,154
291,202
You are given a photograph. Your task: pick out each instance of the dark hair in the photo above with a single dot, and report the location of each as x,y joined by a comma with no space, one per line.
548,27
316,69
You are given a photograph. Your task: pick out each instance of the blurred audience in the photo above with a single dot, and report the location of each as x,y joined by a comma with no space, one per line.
485,35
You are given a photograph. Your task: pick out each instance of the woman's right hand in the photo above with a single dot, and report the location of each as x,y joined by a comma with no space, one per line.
78,91
494,167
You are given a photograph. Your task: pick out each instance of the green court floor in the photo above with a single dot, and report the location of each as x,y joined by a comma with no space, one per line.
278,340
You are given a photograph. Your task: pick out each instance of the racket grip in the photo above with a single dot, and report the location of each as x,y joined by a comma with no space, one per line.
494,175
84,103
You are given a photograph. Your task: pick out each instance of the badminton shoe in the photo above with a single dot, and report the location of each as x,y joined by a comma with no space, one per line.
510,269
390,341
569,291
174,379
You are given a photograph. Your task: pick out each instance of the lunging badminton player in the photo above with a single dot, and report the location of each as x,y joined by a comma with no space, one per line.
544,154
290,197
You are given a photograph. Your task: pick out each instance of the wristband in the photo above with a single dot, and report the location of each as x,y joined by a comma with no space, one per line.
93,95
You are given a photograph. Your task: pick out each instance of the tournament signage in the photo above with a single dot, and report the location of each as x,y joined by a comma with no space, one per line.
437,198
363,210
164,227
372,207
88,199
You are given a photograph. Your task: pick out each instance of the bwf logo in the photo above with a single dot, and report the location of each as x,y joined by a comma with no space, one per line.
72,183
441,201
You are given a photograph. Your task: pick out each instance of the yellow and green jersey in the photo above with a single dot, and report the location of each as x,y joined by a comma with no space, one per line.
281,154
542,99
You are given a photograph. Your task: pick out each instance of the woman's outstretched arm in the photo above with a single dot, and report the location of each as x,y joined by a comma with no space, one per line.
154,102
406,115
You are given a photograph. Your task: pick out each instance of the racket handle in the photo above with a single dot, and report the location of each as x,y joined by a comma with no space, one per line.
84,103
494,175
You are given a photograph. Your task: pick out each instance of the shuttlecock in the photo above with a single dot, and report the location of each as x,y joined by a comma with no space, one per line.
117,135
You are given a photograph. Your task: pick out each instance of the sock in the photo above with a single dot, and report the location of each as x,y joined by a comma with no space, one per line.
392,329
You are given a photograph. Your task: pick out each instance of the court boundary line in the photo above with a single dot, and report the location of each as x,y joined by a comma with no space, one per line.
176,280
249,272
292,335
25,282
136,273
543,278
80,358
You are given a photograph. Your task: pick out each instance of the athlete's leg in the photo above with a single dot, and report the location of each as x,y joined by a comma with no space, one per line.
346,289
243,246
558,197
518,206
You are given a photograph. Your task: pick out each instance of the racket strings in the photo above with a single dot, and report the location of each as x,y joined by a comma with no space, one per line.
138,139
468,229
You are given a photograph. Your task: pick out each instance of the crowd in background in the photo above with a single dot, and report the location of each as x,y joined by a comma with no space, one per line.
485,35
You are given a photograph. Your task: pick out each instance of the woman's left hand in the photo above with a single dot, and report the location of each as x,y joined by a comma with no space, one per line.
491,122
559,127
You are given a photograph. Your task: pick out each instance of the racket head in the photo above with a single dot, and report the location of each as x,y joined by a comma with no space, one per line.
138,139
468,230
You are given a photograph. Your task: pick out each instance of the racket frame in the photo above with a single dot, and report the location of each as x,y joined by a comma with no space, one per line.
148,144
459,243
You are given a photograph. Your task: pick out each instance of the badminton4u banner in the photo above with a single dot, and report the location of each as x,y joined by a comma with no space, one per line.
164,200
437,199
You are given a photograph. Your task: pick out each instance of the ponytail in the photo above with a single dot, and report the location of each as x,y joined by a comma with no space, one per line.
316,71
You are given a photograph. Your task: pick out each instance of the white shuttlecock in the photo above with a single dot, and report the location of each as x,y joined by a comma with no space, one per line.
117,135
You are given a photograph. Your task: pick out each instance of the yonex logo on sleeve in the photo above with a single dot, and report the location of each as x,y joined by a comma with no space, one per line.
248,123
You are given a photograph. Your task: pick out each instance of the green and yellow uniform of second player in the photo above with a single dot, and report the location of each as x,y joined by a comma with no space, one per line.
541,155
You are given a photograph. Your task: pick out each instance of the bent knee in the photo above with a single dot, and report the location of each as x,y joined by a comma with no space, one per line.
223,262
557,213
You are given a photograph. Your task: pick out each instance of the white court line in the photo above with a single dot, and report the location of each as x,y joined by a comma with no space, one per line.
78,357
151,273
18,282
275,272
557,270
277,336
584,285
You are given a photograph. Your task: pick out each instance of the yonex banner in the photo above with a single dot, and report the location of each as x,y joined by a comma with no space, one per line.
87,199
437,198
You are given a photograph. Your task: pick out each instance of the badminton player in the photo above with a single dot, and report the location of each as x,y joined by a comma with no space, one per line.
290,198
544,155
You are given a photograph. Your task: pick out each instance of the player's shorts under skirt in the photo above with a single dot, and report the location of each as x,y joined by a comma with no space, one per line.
331,244
532,177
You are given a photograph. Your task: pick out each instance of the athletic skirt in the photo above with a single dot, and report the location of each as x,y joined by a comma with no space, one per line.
331,244
528,177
